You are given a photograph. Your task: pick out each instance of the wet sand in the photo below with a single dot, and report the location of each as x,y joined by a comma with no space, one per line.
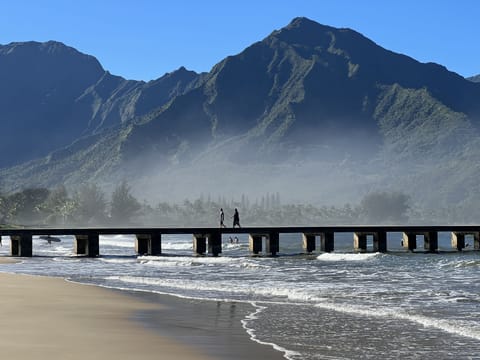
213,327
50,318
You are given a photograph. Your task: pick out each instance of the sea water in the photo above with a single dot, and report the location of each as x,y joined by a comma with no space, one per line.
340,305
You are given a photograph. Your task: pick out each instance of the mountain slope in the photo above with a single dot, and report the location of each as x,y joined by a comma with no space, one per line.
51,94
304,86
306,94
38,84
475,78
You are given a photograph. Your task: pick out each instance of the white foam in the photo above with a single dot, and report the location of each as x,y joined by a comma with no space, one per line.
288,354
177,245
162,261
282,293
193,285
122,241
347,256
116,260
448,326
294,296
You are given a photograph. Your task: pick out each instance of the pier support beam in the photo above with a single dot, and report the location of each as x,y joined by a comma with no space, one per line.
309,242
430,241
409,241
272,243
148,244
379,241
87,245
215,243
255,243
360,241
21,245
199,244
327,241
458,239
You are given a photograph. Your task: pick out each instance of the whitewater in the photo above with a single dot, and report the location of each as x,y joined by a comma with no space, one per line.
340,305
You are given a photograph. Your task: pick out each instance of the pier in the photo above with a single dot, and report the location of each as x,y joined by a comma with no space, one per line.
262,240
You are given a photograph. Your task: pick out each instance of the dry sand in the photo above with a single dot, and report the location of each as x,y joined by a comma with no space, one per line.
50,318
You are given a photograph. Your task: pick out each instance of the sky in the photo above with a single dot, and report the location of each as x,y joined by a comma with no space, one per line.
144,39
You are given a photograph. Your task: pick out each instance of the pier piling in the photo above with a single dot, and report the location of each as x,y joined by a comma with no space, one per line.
360,241
379,241
215,243
458,239
255,243
148,241
199,244
87,245
327,241
309,242
272,243
148,244
409,241
21,245
430,241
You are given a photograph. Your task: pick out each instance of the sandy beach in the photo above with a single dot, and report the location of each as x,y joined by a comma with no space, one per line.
50,318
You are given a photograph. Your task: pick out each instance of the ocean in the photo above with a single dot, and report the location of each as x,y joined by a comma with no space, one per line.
340,305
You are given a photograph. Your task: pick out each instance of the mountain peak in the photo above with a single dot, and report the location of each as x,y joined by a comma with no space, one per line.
304,23
49,52
304,31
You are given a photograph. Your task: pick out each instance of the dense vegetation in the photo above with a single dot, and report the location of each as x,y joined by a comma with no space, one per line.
90,206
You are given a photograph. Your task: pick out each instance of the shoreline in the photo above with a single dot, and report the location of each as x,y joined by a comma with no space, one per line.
47,316
215,327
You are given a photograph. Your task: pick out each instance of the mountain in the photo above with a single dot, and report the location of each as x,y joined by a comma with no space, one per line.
51,95
304,85
475,78
326,106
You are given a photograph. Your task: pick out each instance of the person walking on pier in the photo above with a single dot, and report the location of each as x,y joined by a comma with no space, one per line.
236,218
222,218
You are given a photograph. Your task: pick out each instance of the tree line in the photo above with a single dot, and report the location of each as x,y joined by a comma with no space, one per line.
89,205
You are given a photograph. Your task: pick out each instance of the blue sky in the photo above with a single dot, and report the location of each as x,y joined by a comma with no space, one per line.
144,39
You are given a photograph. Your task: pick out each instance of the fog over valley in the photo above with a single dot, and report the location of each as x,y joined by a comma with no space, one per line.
311,125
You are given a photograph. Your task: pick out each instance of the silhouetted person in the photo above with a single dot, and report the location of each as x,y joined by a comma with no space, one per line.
236,240
222,218
236,218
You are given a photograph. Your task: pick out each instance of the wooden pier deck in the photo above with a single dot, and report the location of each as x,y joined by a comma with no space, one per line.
265,240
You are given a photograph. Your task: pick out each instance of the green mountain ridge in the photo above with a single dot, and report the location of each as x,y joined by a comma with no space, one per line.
308,95
51,94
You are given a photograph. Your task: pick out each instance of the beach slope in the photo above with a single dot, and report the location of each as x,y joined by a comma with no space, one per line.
51,318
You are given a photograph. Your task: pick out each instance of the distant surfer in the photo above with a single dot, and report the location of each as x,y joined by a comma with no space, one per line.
236,218
49,238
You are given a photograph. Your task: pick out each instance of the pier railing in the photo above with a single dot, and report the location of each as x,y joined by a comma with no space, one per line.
262,240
